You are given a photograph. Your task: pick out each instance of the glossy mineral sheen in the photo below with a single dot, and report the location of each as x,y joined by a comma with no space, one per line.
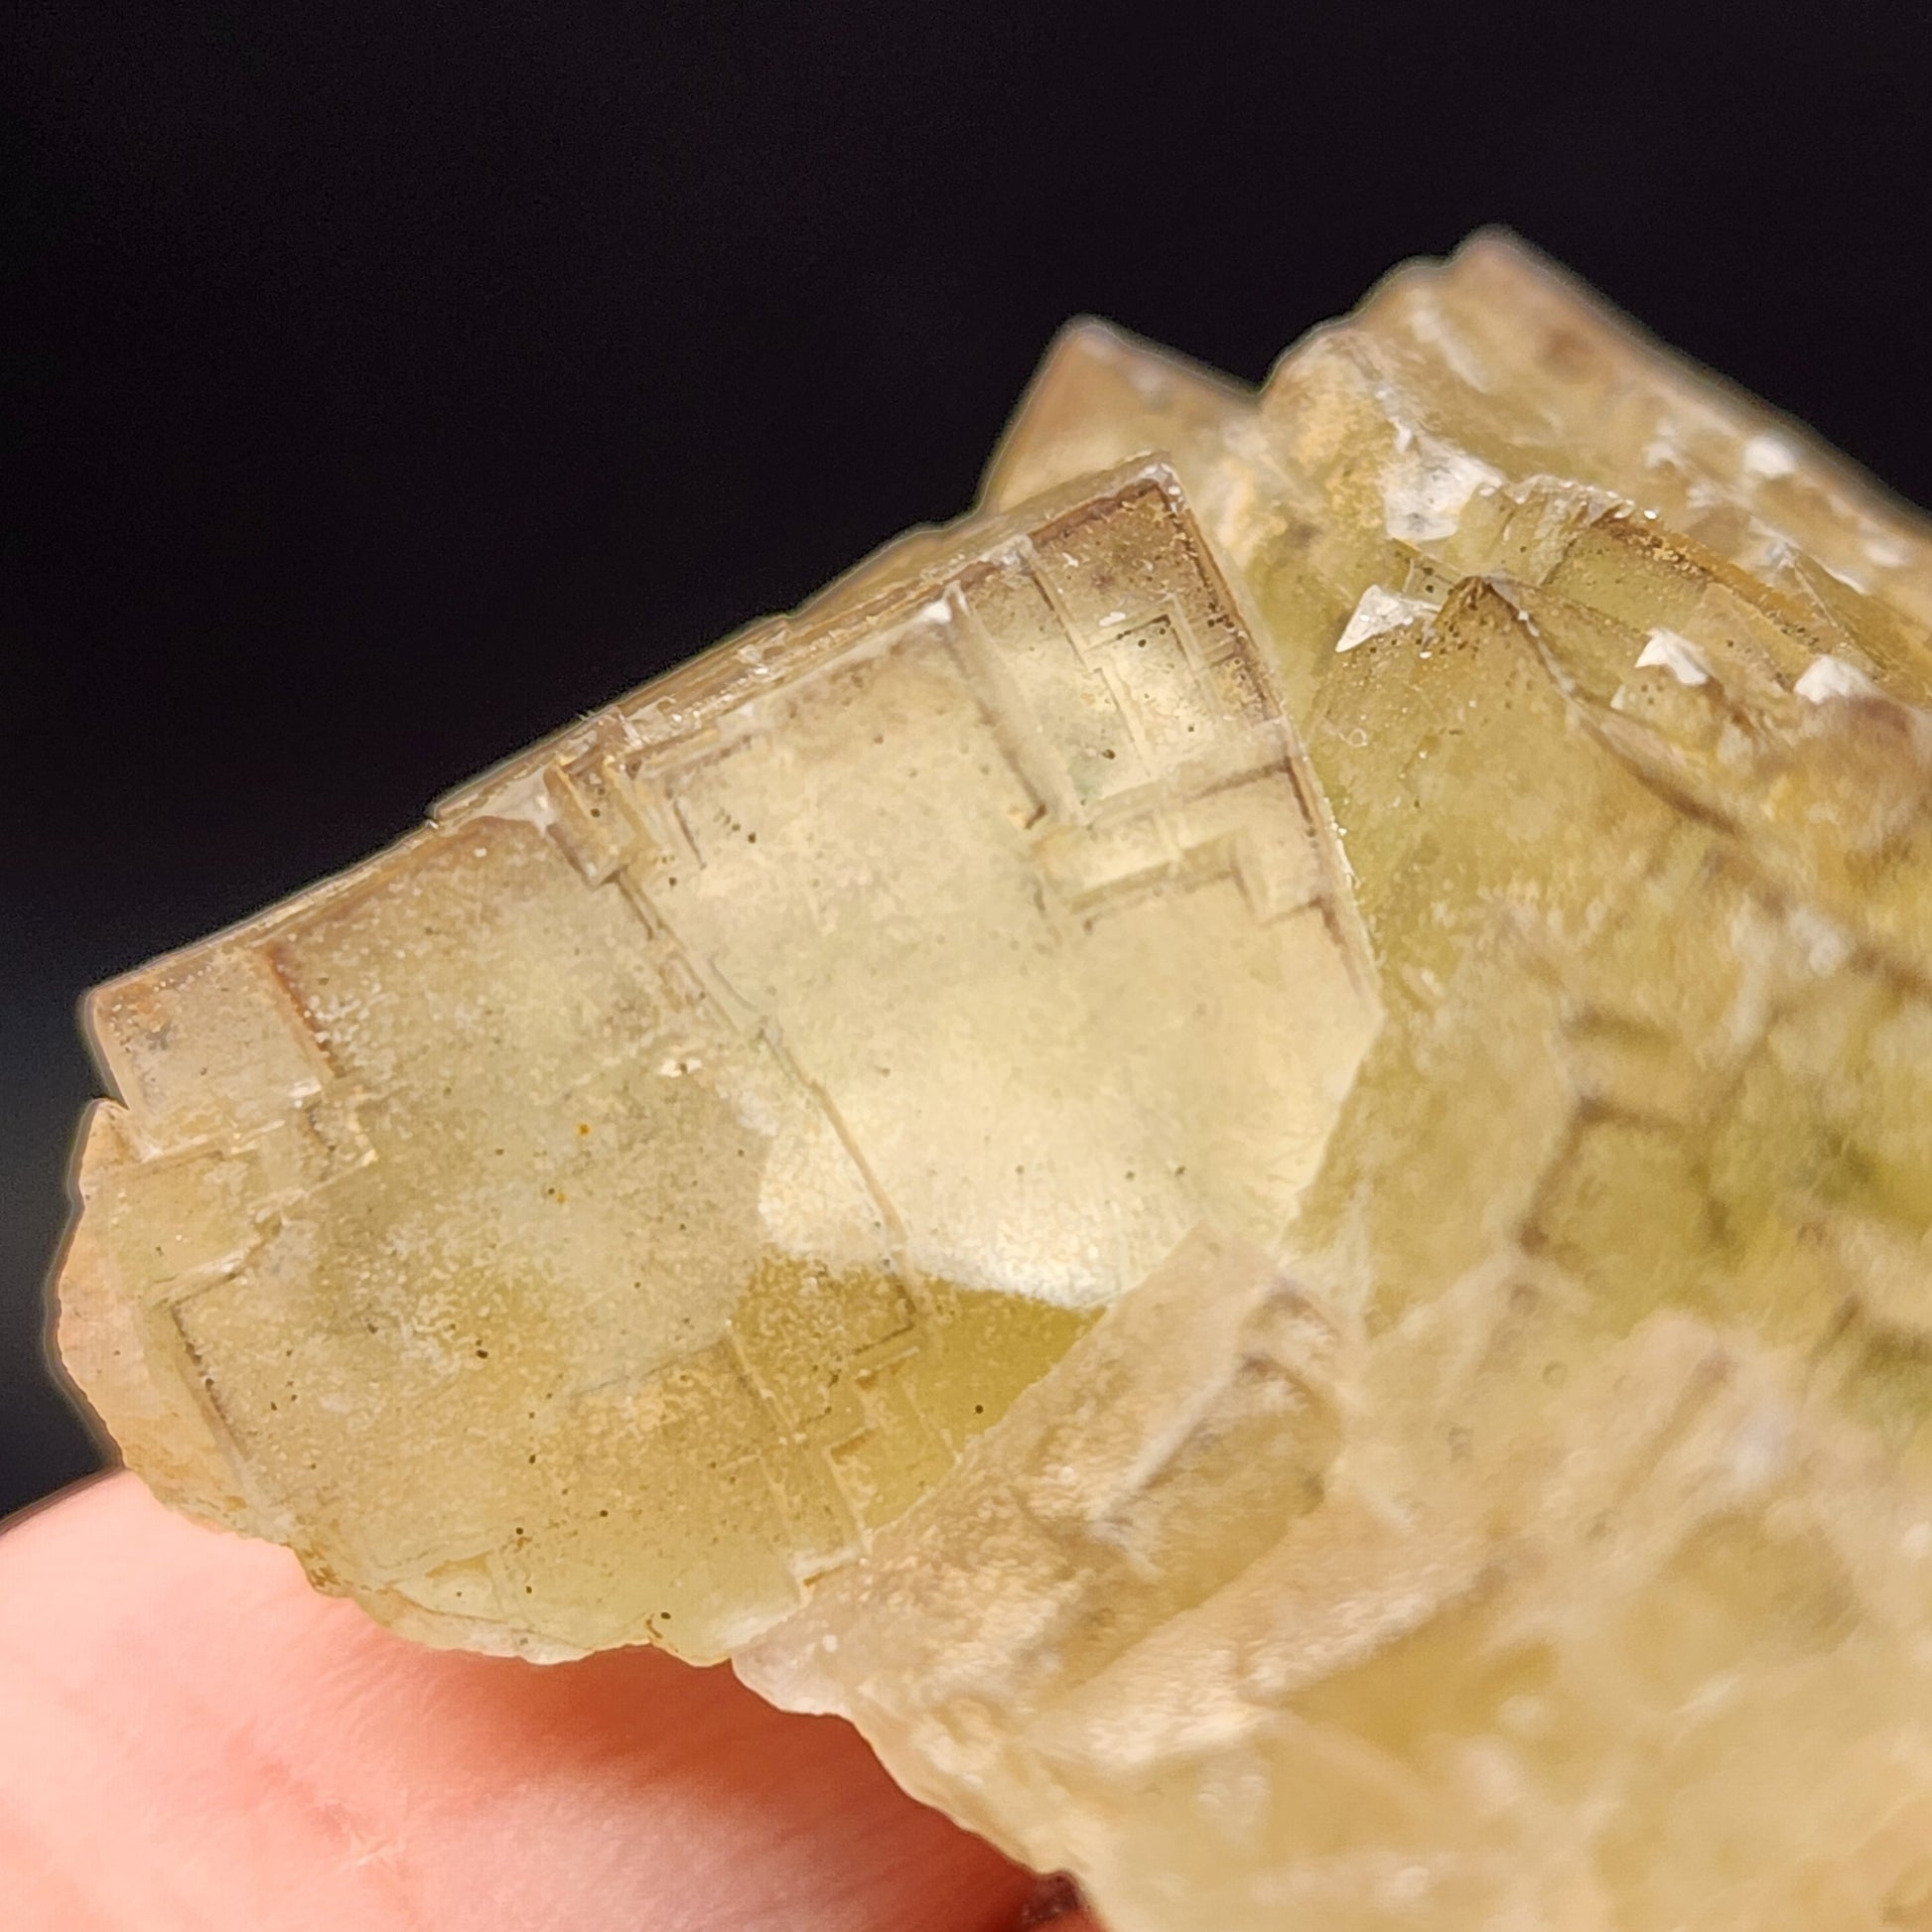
1243,1152
589,1222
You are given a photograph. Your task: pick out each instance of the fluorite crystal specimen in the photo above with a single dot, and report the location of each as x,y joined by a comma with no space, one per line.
1243,1152
589,1222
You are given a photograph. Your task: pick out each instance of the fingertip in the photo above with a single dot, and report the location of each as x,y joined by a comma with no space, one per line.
197,1739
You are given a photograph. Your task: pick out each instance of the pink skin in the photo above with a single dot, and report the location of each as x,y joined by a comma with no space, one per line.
191,1740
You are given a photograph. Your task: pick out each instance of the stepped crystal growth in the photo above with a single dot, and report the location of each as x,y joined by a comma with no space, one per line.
1241,1152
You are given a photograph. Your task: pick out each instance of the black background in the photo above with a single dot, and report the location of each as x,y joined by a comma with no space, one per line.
380,391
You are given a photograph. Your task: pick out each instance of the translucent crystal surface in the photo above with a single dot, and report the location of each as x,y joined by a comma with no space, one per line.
588,1221
1385,1395
1539,1534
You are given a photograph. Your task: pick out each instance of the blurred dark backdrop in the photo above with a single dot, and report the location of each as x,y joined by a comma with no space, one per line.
379,394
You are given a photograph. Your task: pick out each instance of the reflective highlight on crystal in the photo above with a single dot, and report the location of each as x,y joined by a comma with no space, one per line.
1240,1152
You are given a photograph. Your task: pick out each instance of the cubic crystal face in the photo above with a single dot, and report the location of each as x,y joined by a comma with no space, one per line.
588,1221
1373,1393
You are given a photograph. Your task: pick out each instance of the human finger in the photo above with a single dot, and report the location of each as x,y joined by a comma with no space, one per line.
194,1739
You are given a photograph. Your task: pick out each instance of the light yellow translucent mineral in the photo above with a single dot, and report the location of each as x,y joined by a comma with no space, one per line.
1243,1152
588,1221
